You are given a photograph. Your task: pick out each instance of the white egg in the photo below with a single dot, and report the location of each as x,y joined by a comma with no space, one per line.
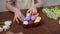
6,27
25,22
39,18
8,23
1,29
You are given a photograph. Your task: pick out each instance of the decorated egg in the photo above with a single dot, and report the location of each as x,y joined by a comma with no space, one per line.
28,14
37,20
32,17
37,14
31,22
27,18
25,22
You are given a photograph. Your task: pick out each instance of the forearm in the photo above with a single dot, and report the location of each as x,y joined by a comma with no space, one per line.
11,8
38,5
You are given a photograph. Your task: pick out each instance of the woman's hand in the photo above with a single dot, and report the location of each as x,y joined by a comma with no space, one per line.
33,10
18,15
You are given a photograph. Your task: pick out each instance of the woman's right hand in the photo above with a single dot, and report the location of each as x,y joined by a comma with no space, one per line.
18,15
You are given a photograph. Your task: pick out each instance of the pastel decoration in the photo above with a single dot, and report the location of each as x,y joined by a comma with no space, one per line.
36,21
27,18
25,22
32,17
36,14
28,14
39,18
31,22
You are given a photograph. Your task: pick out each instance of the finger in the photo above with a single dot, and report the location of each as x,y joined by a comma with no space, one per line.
29,11
21,15
34,11
22,18
14,19
17,20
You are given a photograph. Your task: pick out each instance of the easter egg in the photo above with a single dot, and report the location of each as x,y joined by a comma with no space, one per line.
1,29
39,18
25,22
28,14
31,22
36,21
32,17
27,18
37,14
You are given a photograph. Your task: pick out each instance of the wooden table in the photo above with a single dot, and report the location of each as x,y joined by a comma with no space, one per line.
48,26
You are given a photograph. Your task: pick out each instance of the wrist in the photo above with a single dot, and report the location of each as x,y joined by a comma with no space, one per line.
34,7
16,10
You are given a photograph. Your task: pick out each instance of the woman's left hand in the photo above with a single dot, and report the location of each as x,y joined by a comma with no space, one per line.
33,10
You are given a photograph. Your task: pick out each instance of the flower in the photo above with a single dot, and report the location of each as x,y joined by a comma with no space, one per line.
8,23
1,29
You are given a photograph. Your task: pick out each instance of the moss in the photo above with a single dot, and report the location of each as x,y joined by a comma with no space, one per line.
53,13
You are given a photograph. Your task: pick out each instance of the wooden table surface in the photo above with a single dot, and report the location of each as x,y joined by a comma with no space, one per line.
48,26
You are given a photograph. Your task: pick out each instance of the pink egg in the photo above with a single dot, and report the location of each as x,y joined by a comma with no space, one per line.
32,17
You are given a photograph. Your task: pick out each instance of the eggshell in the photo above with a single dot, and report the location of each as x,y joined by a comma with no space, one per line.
27,18
36,14
39,18
36,21
25,22
28,14
31,22
32,17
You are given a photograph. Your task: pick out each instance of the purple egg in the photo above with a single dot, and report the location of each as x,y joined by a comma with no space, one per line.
32,17
31,22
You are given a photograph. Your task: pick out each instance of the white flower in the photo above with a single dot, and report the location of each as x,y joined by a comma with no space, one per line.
8,23
1,29
5,27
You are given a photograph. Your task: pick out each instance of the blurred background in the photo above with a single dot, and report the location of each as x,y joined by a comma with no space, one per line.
45,3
